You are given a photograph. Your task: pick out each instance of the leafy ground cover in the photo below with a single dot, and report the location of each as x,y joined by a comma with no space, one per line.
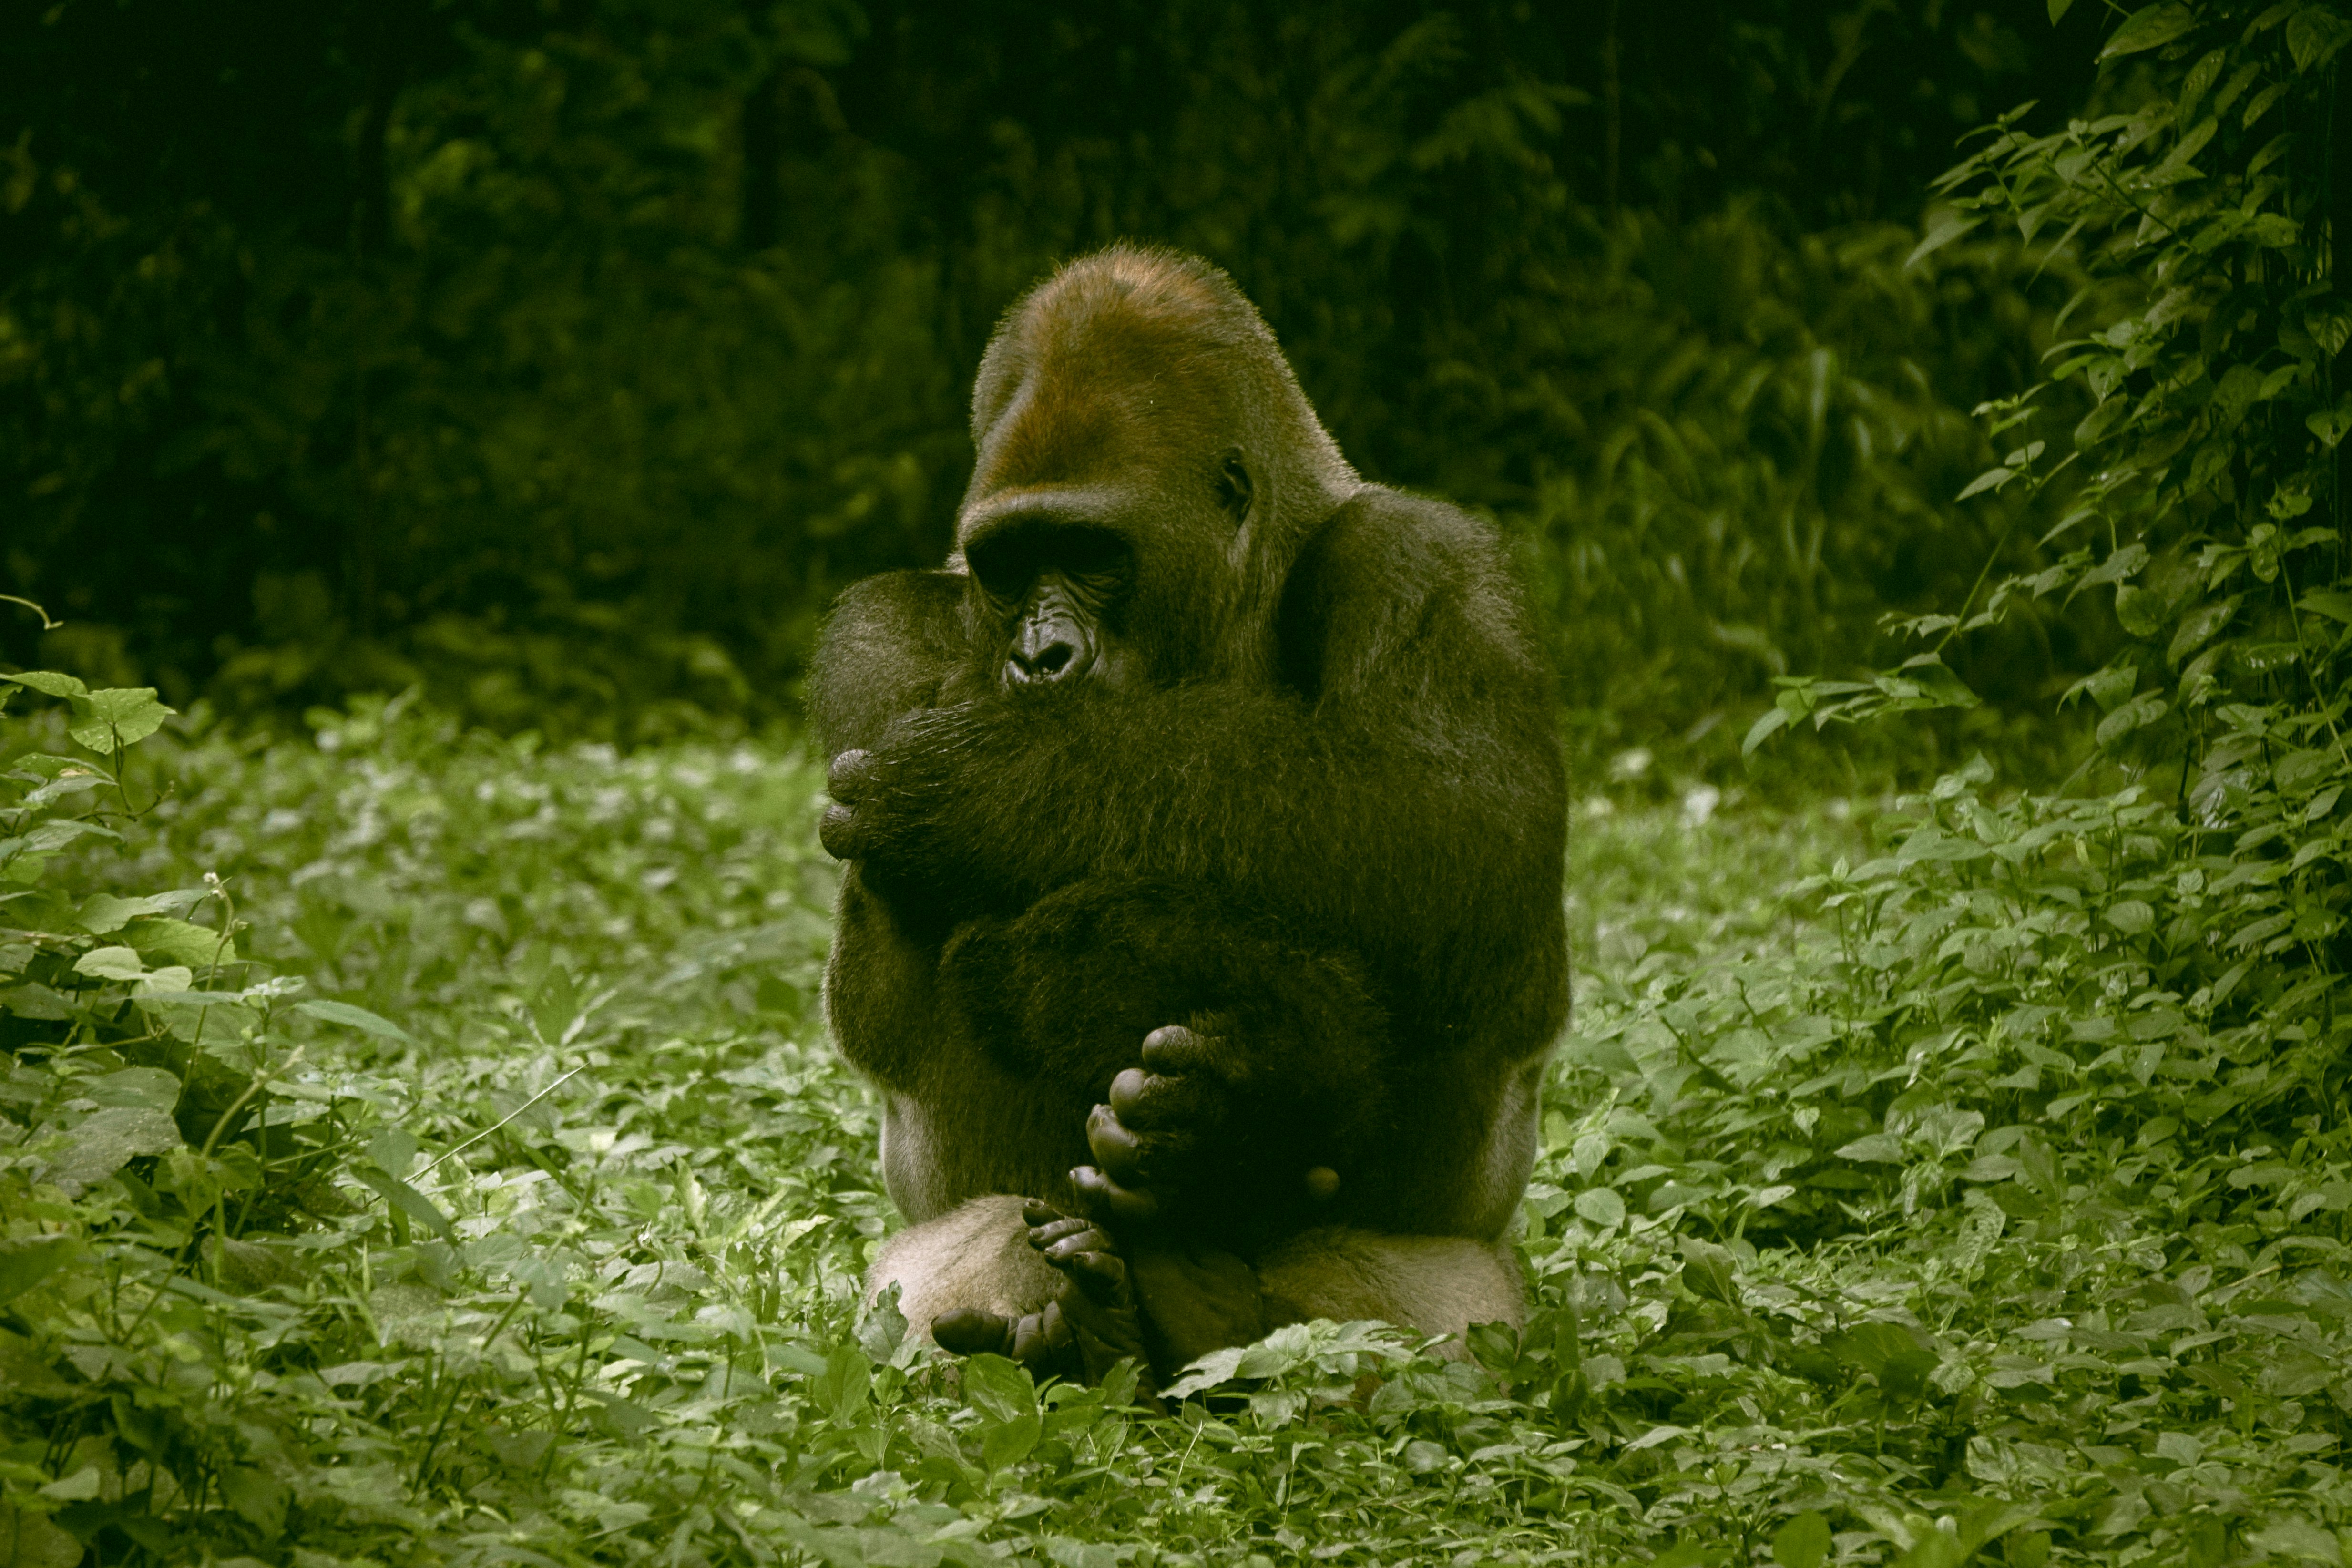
419,1147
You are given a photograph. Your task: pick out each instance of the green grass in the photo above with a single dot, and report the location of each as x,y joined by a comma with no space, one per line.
499,1199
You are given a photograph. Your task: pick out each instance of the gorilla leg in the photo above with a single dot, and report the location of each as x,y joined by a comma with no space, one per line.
1431,1284
1060,1294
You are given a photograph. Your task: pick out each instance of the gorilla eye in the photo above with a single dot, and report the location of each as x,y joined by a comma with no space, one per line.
1235,487
1008,561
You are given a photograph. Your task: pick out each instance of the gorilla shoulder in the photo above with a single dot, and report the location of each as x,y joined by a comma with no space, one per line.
1393,582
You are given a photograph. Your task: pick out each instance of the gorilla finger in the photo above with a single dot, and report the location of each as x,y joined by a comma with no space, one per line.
1173,1049
1105,1201
1146,1102
1114,1148
969,1332
1029,1345
1035,1212
1090,1239
837,830
1102,1276
1126,1090
1045,1238
850,774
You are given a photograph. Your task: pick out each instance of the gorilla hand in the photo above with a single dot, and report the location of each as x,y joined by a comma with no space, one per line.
1175,1129
849,781
888,801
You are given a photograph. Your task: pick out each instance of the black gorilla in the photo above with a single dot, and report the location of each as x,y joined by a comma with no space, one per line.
1205,819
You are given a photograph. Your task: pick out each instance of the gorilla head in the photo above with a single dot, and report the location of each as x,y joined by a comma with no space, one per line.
1148,470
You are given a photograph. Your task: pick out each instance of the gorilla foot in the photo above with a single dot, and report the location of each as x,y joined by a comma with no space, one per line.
1098,1307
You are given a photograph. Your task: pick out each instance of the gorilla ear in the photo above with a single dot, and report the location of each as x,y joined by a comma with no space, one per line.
1235,487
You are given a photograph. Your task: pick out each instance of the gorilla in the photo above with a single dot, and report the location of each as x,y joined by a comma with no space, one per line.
1204,819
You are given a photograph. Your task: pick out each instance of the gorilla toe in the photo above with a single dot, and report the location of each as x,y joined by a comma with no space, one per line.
966,1331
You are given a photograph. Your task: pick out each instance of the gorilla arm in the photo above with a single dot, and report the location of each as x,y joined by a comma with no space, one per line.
889,647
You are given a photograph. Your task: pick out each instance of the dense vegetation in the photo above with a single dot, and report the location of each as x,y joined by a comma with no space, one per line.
420,1145
569,358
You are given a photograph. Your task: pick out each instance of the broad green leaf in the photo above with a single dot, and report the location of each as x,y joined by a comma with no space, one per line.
2199,80
106,912
844,1388
357,1019
26,1261
48,682
1208,1372
2119,566
2334,603
2313,34
1707,1271
51,836
110,963
180,941
1804,1541
1875,1148
1990,480
1004,1443
2136,714
1937,679
2149,28
2299,771
2140,611
258,1496
150,1087
2294,1536
1000,1388
2197,627
408,1200
1601,1206
124,714
393,1149
106,1141
1651,1439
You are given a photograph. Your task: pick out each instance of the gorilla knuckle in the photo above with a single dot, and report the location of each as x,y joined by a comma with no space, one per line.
851,773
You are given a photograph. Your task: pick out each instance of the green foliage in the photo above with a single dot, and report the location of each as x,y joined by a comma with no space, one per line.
420,1146
566,361
1757,442
460,1162
2103,1074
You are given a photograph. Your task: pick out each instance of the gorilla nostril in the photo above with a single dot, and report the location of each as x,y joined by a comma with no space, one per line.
1055,659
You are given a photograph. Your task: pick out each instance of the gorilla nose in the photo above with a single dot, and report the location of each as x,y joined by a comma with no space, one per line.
1046,653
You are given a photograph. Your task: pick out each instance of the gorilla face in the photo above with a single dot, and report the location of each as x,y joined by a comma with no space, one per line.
1052,598
1113,586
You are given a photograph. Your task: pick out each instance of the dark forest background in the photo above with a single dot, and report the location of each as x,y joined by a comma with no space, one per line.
567,357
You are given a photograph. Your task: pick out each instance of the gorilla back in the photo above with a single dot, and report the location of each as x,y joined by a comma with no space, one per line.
1204,820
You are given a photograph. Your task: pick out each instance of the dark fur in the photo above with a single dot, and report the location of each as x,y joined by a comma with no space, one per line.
1323,819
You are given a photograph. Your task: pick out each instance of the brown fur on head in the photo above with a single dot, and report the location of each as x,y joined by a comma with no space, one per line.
1116,394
